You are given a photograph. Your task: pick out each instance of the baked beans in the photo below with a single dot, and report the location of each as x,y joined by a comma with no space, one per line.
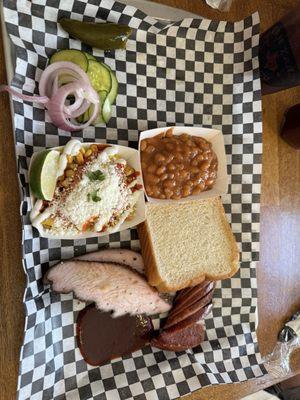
176,166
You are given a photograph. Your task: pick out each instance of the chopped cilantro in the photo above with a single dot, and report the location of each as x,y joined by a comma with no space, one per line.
96,175
93,196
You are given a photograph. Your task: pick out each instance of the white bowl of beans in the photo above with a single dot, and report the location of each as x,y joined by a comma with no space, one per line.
183,163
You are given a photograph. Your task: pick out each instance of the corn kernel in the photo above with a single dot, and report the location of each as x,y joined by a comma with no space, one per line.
69,173
47,223
72,166
128,170
88,153
65,183
79,159
70,159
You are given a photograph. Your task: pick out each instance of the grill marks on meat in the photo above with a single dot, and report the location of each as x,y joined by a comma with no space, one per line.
119,256
184,327
110,286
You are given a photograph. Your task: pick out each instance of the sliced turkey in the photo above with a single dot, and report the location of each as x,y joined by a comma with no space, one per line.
119,256
113,287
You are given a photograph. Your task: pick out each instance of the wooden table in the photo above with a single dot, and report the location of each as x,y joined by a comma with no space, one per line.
278,271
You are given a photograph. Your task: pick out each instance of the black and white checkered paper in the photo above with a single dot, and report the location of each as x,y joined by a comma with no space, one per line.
193,72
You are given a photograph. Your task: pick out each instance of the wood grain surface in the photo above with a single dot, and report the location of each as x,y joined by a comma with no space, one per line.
278,271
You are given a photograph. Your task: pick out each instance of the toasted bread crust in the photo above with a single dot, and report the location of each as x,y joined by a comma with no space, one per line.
151,268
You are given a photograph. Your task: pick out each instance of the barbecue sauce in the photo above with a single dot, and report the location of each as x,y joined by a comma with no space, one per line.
101,337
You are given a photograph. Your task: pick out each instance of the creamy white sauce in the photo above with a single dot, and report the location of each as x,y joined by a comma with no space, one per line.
37,221
36,209
77,207
70,149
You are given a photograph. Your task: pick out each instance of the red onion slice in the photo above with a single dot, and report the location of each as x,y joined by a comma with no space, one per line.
57,103
74,113
37,99
58,81
75,106
57,69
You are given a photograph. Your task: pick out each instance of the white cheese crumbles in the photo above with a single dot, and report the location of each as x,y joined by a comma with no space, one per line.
100,201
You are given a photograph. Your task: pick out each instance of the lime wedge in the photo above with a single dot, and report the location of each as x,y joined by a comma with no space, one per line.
42,175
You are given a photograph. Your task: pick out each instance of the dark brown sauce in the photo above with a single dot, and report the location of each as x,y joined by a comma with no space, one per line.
101,337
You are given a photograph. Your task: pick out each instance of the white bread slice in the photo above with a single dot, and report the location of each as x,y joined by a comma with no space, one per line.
186,243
